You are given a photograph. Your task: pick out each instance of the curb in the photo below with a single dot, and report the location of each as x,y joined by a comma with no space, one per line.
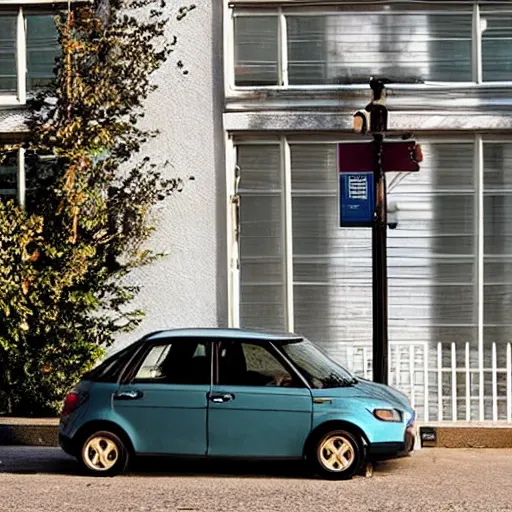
466,436
29,432
45,432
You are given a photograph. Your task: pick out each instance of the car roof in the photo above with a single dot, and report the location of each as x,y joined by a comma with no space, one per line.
214,333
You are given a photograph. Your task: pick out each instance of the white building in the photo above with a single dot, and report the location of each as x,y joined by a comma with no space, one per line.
271,88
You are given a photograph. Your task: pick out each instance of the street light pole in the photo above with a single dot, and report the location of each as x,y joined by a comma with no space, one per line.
378,126
376,159
379,268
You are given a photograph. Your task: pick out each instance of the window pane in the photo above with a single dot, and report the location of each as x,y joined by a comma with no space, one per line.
497,44
261,246
497,265
431,261
8,54
42,50
350,47
181,362
431,254
110,369
332,298
39,172
256,50
8,177
315,366
497,243
247,364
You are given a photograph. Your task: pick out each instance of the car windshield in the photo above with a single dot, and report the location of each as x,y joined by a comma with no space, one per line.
317,368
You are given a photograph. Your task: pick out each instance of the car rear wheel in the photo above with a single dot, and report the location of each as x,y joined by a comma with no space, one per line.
104,454
336,455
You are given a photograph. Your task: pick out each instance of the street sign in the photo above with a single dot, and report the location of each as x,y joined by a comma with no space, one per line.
357,199
399,156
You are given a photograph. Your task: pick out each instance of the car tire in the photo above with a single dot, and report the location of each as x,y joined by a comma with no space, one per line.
104,453
336,455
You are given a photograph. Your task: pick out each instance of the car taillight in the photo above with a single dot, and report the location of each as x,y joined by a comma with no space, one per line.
71,403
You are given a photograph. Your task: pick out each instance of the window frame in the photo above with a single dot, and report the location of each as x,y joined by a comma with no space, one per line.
20,9
270,347
283,8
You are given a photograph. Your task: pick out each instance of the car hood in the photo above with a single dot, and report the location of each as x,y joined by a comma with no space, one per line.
366,389
382,392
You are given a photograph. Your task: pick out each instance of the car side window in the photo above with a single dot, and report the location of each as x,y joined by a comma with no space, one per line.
180,362
251,364
111,369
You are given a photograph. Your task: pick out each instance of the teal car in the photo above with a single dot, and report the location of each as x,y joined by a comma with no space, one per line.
232,393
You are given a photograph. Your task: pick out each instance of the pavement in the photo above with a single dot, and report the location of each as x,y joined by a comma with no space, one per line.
42,479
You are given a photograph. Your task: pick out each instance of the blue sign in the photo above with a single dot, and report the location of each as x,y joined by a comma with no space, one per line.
357,199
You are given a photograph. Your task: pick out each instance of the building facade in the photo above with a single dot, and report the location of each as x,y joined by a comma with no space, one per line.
295,71
255,241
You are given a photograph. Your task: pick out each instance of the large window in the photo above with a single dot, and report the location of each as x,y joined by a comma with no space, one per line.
262,293
346,44
349,48
449,263
28,49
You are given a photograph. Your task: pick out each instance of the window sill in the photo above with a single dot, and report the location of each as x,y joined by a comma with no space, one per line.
10,101
238,90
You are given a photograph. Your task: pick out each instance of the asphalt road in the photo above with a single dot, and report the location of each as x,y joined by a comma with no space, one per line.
44,479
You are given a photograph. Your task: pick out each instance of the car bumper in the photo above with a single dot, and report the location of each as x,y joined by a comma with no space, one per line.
385,451
67,445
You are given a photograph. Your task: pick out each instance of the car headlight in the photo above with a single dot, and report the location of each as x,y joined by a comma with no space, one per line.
409,418
387,415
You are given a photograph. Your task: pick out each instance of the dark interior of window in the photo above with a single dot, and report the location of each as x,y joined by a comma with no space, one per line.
247,364
110,370
179,362
8,176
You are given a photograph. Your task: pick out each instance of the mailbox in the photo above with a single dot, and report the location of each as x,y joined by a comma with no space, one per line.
357,199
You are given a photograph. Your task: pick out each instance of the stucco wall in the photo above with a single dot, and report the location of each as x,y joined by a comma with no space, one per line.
187,287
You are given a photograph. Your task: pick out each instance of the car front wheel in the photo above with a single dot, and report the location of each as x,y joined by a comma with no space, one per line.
336,455
104,454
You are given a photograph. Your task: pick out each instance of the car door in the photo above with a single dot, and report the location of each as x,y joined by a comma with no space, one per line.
164,402
258,407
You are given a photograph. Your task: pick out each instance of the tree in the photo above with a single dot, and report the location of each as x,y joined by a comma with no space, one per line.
64,257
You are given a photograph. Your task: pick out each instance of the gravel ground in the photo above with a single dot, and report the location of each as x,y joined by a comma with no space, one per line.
45,480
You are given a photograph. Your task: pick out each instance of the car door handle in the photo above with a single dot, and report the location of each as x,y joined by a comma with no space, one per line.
220,398
128,395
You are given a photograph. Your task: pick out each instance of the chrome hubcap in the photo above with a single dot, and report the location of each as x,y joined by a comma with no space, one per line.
100,453
336,453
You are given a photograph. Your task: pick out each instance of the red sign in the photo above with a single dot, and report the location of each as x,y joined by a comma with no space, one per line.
400,156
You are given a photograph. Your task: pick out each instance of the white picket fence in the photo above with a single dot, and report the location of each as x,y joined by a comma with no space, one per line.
451,382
